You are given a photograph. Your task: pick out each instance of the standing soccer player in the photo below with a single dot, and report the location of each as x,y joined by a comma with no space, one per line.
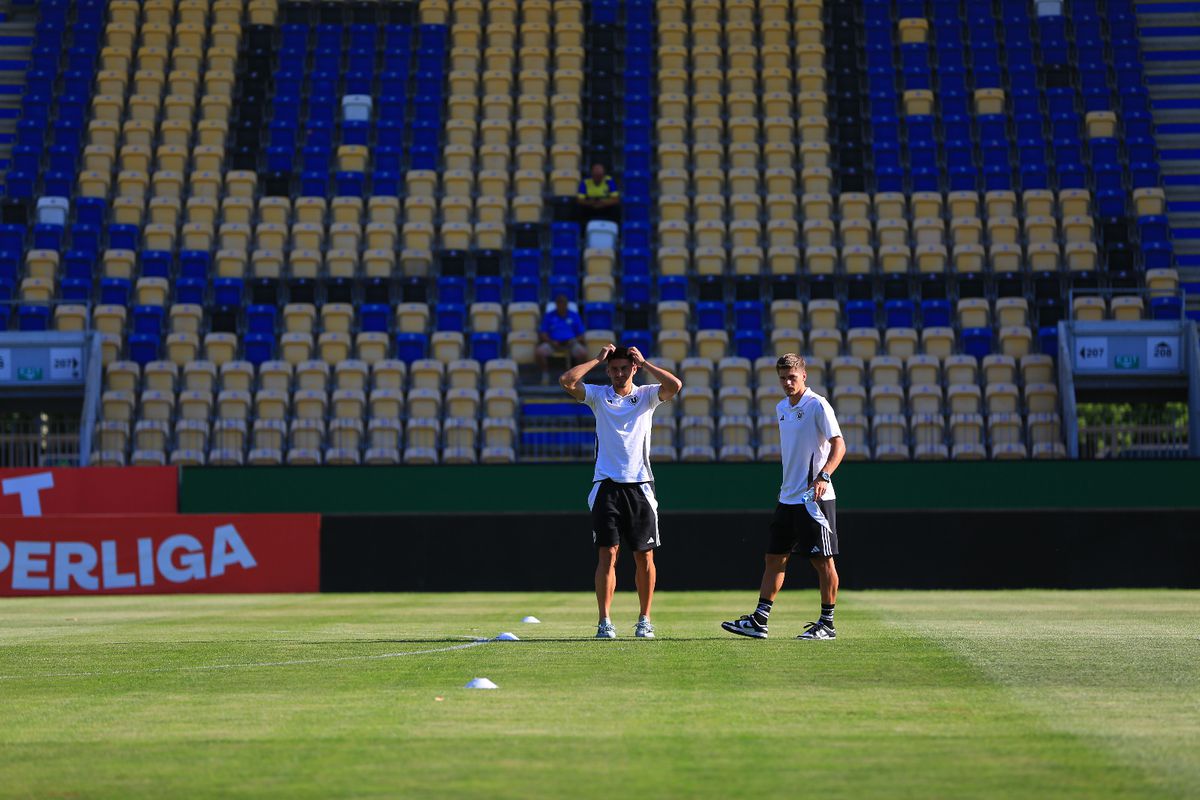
805,519
622,499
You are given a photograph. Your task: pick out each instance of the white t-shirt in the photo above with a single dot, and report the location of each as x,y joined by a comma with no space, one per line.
623,431
804,433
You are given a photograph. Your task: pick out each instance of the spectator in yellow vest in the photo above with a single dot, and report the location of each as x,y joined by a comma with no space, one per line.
598,196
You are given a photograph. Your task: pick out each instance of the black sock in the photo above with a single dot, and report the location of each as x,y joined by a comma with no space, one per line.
827,614
763,611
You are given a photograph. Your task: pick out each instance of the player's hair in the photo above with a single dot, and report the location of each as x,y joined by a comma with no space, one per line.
620,352
791,361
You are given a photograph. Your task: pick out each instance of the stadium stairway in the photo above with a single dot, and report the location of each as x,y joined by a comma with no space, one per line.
1170,36
17,25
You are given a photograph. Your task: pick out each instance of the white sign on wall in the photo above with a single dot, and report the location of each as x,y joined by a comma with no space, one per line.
1162,352
1091,352
66,363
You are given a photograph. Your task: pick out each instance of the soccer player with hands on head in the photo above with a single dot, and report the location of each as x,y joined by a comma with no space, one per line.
805,521
624,508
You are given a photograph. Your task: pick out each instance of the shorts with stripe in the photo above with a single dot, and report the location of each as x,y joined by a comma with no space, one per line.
793,530
624,513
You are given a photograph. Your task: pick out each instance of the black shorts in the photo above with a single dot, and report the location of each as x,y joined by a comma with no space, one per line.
624,513
793,530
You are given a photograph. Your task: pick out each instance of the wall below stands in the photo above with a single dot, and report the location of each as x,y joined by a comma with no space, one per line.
722,550
539,489
936,525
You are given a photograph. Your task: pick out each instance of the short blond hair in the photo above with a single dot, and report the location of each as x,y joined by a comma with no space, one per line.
791,361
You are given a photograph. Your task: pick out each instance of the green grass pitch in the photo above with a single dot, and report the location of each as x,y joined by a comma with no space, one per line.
923,695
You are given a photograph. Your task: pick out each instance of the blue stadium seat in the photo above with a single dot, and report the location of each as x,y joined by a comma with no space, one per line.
33,317
148,319
977,342
935,313
485,346
260,318
451,316
599,316
525,289
228,291
259,346
144,348
115,291
489,289
411,346
860,314
190,290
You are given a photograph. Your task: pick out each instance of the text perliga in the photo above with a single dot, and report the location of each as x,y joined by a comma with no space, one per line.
164,553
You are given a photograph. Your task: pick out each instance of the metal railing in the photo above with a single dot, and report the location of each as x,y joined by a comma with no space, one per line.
1123,440
40,440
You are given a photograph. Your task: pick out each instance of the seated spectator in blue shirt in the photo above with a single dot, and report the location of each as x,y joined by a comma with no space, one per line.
561,334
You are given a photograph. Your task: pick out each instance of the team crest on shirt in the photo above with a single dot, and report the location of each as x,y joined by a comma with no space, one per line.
800,414
633,399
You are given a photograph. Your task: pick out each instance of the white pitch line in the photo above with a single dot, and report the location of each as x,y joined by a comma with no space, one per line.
249,664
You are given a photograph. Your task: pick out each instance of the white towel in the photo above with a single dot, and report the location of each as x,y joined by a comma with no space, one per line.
814,511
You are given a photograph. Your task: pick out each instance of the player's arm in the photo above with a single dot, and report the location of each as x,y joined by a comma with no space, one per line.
837,450
670,384
572,379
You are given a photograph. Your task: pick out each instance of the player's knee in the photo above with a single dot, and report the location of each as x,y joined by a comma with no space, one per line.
607,556
776,561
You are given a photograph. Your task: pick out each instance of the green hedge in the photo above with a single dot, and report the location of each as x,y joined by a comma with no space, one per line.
692,487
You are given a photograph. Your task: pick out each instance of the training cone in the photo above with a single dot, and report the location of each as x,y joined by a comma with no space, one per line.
531,620
481,683
507,637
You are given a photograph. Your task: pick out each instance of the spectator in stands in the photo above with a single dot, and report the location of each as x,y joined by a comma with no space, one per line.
562,334
598,197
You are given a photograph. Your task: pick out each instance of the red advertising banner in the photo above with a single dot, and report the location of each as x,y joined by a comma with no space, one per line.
89,490
159,554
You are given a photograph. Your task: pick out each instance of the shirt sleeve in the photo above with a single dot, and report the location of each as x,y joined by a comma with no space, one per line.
612,188
649,394
828,422
582,190
589,395
576,325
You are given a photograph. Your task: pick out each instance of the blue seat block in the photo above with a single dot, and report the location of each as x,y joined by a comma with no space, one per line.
411,346
485,346
935,313
860,314
259,346
156,263
599,316
748,315
144,347
190,290
115,291
1169,308
672,287
260,318
451,316
452,289
489,289
567,285
899,313
710,315
228,291
748,344
148,319
373,317
977,342
33,317
525,289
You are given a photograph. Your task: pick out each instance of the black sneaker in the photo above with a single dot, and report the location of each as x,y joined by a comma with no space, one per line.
818,630
746,626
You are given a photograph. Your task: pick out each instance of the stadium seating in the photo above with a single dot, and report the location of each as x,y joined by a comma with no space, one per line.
326,232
